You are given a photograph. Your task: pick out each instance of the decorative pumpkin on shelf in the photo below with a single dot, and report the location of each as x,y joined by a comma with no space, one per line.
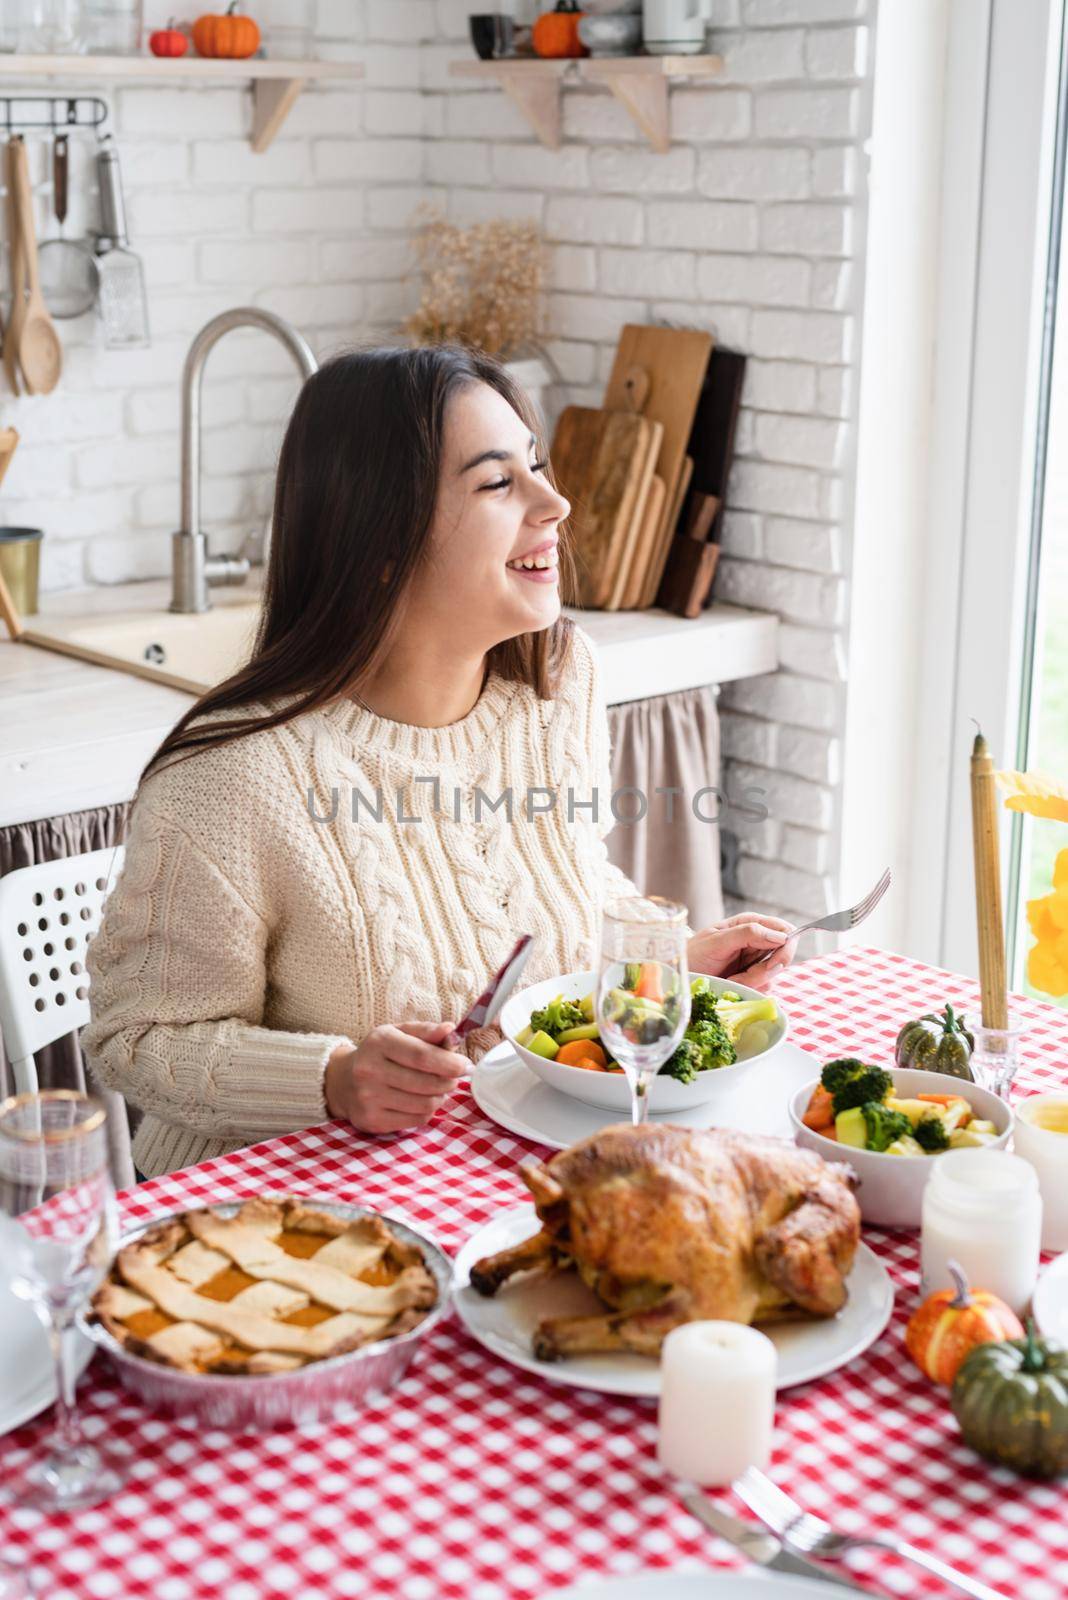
555,33
952,1323
1011,1401
168,41
937,1042
230,35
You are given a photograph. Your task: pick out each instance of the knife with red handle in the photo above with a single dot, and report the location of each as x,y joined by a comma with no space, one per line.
488,1005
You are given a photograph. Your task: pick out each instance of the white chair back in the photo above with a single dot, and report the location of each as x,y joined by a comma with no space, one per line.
48,913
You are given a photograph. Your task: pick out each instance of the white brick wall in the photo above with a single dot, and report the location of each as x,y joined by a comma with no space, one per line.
752,225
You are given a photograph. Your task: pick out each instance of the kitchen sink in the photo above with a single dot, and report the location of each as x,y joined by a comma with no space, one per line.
187,651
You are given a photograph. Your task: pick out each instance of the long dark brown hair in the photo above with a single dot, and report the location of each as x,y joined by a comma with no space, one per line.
353,508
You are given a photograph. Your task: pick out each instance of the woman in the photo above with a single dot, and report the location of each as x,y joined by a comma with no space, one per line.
313,891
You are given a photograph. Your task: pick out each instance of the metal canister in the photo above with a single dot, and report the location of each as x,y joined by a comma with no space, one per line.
20,562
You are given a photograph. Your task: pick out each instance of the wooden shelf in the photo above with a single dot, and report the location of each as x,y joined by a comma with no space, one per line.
275,84
640,83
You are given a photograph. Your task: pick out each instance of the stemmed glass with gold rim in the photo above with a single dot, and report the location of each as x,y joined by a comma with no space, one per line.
643,988
57,1192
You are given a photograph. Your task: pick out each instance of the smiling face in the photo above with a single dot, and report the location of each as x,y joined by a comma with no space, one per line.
495,507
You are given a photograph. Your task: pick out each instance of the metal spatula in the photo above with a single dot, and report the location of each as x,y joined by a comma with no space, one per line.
122,302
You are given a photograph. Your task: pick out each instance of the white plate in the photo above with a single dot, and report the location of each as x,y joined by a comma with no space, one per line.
1050,1302
27,1378
505,1323
660,1585
510,1094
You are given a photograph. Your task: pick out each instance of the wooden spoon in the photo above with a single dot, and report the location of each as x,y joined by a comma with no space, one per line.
18,280
40,352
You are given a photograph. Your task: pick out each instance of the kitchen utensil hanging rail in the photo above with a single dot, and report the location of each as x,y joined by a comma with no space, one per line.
65,111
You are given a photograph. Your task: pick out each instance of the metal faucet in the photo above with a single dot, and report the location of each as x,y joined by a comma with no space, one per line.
192,568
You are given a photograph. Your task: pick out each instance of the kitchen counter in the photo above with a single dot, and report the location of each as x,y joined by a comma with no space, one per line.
75,735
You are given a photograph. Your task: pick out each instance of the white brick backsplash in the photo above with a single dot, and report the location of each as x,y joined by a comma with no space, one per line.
337,161
832,285
390,66
800,441
779,385
835,170
810,755
233,161
327,110
593,116
808,702
123,461
806,596
835,392
242,261
807,114
175,113
766,486
409,20
340,19
812,546
805,849
774,13
756,280
750,738
205,211
703,225
118,559
308,210
836,52
698,115
446,157
769,173
648,272
785,886
574,267
755,57
814,652
480,115
394,112
532,166
808,229
575,316
728,324
812,336
786,798
600,221
347,259
643,171
741,534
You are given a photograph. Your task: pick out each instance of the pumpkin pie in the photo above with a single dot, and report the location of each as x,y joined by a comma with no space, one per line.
274,1287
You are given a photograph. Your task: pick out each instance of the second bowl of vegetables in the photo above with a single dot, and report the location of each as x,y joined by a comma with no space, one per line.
553,1029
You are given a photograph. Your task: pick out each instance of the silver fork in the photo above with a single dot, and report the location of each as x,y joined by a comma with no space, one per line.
842,921
810,1536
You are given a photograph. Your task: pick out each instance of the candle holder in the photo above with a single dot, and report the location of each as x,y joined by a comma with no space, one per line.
996,1056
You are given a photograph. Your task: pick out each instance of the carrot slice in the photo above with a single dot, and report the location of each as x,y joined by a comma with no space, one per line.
579,1050
586,1062
819,1113
649,986
943,1099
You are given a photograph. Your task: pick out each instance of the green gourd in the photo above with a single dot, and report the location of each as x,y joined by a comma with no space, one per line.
937,1042
1011,1400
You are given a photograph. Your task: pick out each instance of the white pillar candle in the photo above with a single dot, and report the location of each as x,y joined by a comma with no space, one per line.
717,1401
1041,1137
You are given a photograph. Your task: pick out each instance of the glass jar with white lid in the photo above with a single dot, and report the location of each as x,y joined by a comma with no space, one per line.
983,1209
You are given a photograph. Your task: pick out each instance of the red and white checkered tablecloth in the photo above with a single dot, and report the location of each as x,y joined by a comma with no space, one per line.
472,1480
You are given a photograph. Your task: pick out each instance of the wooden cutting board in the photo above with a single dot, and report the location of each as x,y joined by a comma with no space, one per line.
668,526
602,461
650,520
672,363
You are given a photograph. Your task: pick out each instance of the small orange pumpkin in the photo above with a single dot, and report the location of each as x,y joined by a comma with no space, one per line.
230,35
952,1322
555,33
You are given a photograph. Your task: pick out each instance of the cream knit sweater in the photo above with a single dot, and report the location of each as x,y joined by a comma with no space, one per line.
244,939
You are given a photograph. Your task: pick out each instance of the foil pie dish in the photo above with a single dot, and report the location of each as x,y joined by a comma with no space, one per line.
330,1388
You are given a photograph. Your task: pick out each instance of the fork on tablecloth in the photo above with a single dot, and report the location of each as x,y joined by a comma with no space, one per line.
807,1535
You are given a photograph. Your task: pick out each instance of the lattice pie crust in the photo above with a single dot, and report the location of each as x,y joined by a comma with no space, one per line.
274,1287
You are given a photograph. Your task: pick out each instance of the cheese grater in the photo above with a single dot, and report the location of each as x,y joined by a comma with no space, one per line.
122,303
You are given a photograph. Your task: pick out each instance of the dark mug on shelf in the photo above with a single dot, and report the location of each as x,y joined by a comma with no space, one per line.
492,34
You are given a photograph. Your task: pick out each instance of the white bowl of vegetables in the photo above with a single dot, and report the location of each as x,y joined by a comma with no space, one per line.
890,1125
731,1030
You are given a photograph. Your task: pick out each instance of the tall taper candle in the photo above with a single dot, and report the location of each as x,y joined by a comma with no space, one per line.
988,913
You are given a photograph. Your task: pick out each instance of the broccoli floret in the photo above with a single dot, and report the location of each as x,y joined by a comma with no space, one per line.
931,1133
703,1007
850,1083
884,1125
685,1064
557,1016
738,1014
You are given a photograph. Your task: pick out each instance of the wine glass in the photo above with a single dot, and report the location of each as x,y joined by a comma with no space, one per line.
643,988
59,1236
